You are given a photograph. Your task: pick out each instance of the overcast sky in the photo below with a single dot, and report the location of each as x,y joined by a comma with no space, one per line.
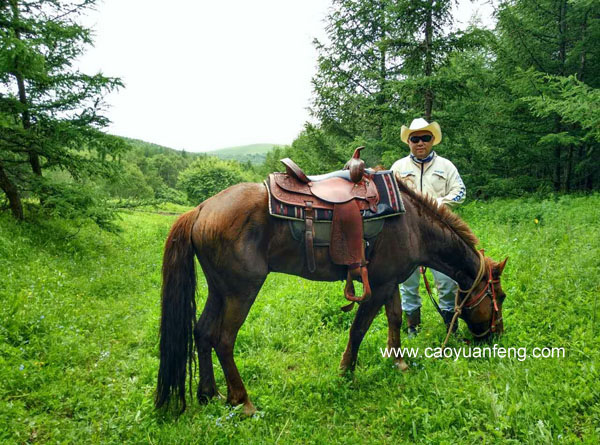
203,75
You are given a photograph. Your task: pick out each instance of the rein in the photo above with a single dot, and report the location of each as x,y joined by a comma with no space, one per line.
472,301
423,270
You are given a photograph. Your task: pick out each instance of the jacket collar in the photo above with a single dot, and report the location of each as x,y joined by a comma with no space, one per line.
423,161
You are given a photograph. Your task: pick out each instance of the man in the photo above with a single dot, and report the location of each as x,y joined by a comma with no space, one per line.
430,174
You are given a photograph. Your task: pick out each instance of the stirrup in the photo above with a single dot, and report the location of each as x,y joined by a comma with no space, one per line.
349,291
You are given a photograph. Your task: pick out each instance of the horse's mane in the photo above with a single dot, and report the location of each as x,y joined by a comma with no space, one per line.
447,216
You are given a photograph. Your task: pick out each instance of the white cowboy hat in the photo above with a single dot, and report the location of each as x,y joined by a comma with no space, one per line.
421,124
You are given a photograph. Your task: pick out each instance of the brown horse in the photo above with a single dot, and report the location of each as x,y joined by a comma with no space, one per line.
238,243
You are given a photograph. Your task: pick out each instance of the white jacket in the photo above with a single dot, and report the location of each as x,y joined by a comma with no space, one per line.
437,178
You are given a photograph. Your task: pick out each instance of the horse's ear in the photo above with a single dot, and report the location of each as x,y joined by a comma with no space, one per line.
502,265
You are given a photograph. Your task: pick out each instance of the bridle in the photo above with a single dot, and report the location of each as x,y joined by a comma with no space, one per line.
471,301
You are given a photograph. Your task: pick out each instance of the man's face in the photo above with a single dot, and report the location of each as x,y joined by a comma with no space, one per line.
420,149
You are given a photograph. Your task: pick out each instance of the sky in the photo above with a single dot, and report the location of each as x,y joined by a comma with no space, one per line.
203,75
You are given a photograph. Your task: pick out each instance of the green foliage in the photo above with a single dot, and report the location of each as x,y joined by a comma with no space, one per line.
151,173
517,106
574,101
384,65
207,176
77,202
50,114
168,194
79,315
548,59
130,183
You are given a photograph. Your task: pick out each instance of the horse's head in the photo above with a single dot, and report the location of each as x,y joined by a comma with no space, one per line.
482,310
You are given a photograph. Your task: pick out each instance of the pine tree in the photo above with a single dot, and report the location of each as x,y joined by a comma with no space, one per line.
383,66
50,113
549,55
352,95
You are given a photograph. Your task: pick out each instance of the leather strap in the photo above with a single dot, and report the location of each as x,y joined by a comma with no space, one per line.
349,291
309,215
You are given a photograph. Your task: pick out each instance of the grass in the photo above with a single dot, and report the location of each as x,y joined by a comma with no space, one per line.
79,316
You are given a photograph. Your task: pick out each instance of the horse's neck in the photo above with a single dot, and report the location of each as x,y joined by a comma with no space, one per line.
444,250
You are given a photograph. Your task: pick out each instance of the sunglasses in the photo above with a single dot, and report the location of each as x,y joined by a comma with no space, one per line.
424,138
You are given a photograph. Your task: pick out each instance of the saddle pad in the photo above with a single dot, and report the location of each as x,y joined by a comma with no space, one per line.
322,229
390,202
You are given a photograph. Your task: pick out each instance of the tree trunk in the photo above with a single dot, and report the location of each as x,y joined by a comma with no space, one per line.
12,194
582,58
428,61
562,55
381,98
557,172
34,159
562,33
569,169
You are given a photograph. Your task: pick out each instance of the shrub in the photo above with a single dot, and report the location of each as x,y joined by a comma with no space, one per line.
207,176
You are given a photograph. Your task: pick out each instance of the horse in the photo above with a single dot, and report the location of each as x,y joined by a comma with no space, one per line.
237,243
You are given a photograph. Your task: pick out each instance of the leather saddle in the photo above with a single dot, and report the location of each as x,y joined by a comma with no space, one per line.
346,193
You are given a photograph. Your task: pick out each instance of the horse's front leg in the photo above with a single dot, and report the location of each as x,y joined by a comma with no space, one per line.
393,312
362,321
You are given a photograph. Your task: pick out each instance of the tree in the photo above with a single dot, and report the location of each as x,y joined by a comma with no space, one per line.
543,44
384,65
429,42
352,95
209,175
51,115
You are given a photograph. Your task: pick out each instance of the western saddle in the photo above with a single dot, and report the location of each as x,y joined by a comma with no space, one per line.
346,193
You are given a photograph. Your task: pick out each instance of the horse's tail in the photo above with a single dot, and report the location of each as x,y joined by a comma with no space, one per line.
178,311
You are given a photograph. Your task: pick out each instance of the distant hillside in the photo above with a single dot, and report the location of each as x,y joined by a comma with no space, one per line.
150,149
244,149
255,153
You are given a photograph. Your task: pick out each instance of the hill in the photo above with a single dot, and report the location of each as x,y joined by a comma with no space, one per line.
255,153
150,149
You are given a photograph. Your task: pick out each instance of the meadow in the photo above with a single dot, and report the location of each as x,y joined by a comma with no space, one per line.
79,311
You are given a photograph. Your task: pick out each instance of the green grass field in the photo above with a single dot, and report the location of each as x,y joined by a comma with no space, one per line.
79,314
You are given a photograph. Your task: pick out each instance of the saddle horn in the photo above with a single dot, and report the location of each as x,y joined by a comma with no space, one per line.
356,166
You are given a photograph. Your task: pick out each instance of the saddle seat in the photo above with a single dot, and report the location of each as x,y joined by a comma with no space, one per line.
346,193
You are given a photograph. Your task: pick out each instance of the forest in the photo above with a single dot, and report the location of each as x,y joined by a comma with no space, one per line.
518,105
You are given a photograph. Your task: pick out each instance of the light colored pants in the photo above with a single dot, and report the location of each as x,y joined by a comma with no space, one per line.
409,290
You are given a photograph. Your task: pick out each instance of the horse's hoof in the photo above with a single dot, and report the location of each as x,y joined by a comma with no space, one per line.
346,365
401,365
205,397
249,409
346,371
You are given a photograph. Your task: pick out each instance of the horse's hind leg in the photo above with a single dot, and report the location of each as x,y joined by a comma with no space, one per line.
235,309
206,334
393,311
362,321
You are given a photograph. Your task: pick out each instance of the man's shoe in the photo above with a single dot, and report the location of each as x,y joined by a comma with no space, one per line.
413,322
412,331
447,316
